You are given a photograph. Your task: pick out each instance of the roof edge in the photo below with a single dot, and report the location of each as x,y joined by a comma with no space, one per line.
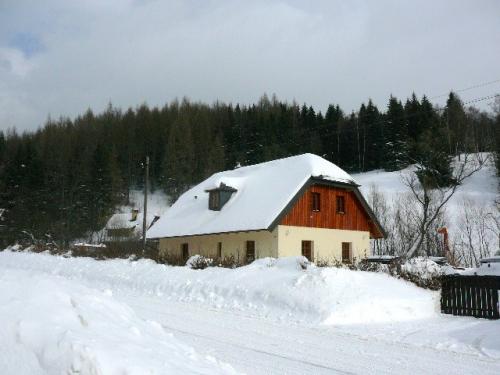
211,233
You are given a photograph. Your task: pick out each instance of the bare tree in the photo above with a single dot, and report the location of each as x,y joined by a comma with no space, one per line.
477,235
380,207
431,200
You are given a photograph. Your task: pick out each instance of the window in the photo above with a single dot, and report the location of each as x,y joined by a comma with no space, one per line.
219,250
340,204
185,251
250,251
307,250
213,200
346,252
316,201
218,197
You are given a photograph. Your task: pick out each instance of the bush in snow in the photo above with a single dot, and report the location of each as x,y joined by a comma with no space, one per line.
423,272
334,262
291,262
228,262
199,262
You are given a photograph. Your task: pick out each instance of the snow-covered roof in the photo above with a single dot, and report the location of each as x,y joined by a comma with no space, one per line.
486,269
263,192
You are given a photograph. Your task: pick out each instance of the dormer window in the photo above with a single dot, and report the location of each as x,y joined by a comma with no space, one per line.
218,197
214,200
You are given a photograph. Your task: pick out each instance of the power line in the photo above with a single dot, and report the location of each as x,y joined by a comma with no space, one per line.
468,88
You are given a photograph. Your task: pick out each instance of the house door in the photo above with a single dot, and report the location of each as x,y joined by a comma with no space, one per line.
307,250
185,251
346,252
250,251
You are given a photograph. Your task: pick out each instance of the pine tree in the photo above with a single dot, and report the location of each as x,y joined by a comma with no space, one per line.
396,137
331,137
433,160
372,137
179,159
454,118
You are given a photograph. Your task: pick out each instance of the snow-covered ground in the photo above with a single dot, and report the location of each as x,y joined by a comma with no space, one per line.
52,325
269,317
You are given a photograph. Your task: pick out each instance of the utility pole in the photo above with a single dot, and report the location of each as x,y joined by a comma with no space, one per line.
144,217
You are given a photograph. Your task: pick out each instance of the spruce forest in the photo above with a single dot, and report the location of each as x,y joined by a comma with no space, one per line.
64,180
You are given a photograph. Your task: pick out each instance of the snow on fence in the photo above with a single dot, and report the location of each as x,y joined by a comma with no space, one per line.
471,296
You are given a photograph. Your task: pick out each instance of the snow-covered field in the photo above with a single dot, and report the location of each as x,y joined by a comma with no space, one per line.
78,315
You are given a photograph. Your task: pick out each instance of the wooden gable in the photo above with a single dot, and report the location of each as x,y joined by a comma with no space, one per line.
355,217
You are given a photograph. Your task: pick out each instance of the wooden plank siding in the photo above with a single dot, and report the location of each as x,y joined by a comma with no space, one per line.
354,218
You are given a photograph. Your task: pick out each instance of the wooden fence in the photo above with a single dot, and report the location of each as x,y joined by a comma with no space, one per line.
471,296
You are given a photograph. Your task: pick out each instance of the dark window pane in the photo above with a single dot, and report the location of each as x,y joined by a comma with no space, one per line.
340,204
250,251
346,252
316,201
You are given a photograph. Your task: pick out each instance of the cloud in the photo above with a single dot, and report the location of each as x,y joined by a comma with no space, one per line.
62,57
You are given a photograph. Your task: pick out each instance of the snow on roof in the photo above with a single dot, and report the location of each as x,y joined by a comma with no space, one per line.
263,191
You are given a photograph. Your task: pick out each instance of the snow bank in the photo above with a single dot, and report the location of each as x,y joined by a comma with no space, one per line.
277,288
488,267
54,326
422,267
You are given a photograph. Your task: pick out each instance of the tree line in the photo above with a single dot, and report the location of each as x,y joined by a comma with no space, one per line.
64,180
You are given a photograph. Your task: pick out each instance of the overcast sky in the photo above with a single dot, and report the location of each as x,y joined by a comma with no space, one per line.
60,57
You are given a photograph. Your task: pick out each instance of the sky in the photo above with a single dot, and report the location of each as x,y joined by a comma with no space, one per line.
61,57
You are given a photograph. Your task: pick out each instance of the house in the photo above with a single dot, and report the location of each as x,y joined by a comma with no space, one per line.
301,205
125,226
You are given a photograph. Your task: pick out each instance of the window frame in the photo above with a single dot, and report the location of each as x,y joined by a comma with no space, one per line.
185,250
250,259
315,201
347,260
340,204
214,200
308,245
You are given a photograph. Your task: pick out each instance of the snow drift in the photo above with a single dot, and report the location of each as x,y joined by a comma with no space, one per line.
275,288
54,326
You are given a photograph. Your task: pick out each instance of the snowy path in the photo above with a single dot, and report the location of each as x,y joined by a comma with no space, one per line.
258,346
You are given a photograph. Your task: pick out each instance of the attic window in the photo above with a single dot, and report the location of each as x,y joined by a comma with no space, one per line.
218,197
340,204
214,200
316,201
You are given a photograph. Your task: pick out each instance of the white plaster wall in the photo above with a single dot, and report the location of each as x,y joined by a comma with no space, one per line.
266,244
327,243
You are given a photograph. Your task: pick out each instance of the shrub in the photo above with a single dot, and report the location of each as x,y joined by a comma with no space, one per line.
227,262
171,259
199,262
